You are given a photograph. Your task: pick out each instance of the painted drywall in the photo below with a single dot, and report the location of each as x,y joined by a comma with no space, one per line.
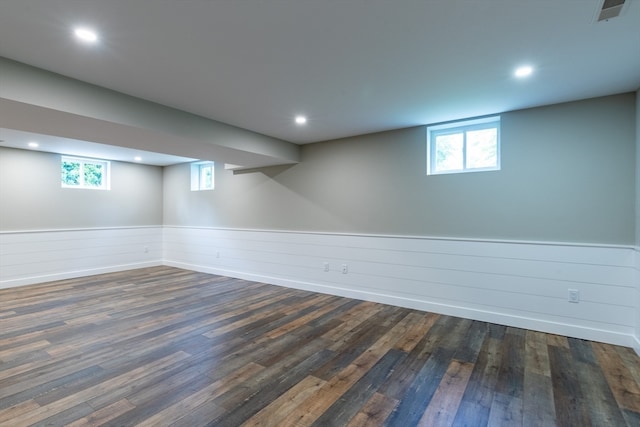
637,258
567,176
637,181
35,100
31,197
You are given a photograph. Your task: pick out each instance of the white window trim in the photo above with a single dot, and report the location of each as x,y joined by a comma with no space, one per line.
457,127
196,182
106,177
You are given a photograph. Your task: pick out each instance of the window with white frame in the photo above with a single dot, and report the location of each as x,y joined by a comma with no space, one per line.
91,174
202,176
464,146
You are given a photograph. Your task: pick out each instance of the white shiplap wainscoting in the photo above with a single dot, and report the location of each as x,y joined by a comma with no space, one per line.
28,257
522,284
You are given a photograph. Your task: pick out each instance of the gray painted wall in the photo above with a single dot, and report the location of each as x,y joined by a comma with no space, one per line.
638,180
31,197
567,175
638,220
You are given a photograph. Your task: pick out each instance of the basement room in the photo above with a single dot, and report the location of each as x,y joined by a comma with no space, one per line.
305,213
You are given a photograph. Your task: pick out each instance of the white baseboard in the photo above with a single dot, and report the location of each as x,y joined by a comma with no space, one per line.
32,280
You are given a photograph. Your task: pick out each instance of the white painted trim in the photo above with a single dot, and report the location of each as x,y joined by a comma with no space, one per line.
64,230
31,280
412,237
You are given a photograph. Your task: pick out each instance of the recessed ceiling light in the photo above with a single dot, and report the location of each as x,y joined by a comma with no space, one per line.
301,120
34,145
524,71
86,34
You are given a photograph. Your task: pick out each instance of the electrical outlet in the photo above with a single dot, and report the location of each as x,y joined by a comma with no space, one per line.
345,269
574,296
146,249
326,266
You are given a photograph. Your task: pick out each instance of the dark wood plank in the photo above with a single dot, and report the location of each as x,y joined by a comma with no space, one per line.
568,396
598,398
344,409
507,405
374,412
287,402
444,404
538,404
475,405
418,395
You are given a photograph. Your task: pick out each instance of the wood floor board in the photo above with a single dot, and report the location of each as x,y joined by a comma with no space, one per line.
506,411
270,352
345,408
475,406
374,412
582,351
252,397
349,347
103,415
171,408
444,404
469,347
598,398
417,397
510,380
619,378
59,387
537,401
568,396
159,402
284,404
66,416
291,369
632,418
162,346
404,375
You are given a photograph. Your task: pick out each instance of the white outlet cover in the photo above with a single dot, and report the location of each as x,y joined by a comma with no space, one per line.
574,295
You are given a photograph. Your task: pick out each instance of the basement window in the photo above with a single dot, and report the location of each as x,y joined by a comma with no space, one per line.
90,174
464,146
202,176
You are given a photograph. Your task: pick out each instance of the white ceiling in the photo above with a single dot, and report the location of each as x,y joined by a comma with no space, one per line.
352,66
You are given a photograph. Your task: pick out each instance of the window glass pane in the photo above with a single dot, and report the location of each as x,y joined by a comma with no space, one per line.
84,173
70,173
448,152
206,177
482,148
93,174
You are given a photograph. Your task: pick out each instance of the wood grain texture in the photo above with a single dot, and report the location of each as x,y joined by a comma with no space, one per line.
168,347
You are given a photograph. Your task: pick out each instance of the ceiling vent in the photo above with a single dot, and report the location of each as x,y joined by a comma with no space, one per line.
610,9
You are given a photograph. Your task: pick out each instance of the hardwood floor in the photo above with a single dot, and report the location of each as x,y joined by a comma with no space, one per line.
163,346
